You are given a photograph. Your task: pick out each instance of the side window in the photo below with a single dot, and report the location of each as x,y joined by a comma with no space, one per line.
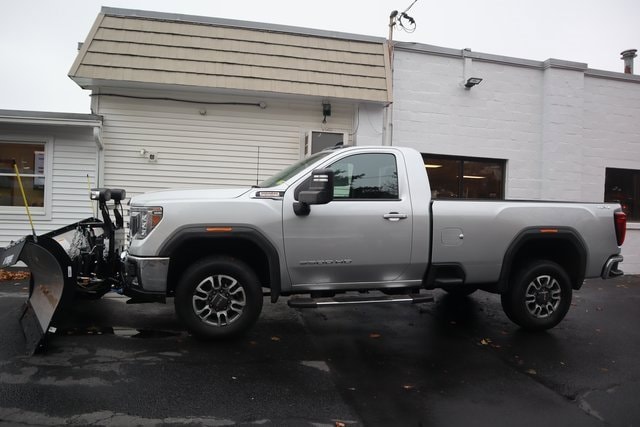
366,176
31,162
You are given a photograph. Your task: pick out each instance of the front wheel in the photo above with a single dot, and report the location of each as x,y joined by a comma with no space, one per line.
218,297
539,296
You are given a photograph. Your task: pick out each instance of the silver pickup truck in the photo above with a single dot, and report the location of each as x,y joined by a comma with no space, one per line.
360,219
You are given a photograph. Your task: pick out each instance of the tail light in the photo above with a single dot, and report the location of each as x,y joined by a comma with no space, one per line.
620,220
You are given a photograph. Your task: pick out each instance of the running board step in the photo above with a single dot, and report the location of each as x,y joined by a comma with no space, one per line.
347,300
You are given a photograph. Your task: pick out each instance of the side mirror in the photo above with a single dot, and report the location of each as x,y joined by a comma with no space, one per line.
320,192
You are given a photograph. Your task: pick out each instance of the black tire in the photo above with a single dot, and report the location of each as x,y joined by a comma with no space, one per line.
539,296
218,297
460,291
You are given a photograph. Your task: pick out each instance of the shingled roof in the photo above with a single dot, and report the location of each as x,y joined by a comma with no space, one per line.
148,48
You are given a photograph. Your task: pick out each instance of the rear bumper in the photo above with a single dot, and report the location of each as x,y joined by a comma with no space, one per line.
146,275
611,268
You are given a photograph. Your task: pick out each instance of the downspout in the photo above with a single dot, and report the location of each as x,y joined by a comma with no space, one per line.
97,137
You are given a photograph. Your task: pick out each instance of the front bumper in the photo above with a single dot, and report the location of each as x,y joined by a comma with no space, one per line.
146,275
611,268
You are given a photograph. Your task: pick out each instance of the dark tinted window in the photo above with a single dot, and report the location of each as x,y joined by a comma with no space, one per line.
366,176
30,160
464,177
623,186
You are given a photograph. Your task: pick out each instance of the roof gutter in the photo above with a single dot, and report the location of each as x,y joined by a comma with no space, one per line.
40,118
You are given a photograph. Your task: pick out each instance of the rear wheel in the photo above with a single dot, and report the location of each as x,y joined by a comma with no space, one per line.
218,297
539,296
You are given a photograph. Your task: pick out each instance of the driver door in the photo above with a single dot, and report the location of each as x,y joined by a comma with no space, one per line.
363,236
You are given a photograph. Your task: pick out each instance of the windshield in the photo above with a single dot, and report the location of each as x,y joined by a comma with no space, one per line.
292,170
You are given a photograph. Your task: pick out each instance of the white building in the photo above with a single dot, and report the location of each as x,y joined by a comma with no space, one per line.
552,130
57,158
193,101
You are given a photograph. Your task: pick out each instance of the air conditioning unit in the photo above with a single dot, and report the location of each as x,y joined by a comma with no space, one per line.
316,140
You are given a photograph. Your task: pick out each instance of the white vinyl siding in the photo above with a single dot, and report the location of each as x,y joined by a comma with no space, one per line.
73,155
205,145
73,161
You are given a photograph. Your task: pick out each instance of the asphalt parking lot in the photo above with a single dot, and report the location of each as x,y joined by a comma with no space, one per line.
453,362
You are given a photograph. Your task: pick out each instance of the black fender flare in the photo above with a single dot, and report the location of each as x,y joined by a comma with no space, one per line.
228,231
547,233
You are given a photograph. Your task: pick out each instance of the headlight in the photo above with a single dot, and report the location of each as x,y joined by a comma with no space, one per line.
144,220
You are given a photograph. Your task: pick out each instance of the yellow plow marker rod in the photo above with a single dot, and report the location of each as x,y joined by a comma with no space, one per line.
91,205
24,199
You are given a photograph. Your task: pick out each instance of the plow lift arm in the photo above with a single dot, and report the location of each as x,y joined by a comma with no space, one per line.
81,260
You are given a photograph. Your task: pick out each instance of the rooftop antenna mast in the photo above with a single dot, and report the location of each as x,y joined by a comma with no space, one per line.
405,23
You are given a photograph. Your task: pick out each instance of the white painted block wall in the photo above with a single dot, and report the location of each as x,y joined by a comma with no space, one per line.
501,118
611,123
558,124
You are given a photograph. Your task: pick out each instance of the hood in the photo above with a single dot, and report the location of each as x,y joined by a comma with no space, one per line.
162,197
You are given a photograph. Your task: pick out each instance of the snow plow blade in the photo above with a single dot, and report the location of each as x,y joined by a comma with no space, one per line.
52,283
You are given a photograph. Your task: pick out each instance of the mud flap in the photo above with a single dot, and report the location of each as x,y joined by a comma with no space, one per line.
52,283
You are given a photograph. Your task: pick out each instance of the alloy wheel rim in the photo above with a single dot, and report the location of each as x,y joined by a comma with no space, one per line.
543,296
219,300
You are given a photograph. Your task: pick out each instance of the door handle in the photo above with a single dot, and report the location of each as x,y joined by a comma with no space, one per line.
395,216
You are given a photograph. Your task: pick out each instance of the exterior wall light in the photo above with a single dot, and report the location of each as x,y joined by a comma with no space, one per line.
472,81
326,111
